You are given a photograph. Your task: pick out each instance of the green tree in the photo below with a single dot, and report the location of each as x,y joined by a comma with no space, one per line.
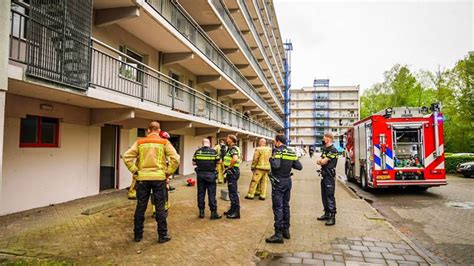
453,88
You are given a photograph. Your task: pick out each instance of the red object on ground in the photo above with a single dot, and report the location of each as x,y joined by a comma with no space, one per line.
191,182
399,147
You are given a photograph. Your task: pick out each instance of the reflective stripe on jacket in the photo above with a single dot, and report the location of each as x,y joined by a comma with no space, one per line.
261,158
150,154
234,150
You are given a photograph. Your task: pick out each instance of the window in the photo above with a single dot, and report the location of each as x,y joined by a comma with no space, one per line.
175,86
37,131
141,133
334,129
131,70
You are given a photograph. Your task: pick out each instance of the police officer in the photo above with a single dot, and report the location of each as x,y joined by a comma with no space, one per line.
328,164
205,160
282,162
221,150
231,168
260,168
152,177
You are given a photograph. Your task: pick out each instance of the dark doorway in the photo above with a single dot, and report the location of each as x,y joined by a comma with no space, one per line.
109,136
174,140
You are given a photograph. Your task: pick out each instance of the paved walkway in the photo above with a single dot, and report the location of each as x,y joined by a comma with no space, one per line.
61,233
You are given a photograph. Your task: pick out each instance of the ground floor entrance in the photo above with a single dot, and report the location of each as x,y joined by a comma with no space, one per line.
109,147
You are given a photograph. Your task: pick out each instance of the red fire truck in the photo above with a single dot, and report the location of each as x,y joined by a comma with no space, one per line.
397,147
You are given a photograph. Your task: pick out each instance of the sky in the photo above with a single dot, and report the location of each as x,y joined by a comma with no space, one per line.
354,42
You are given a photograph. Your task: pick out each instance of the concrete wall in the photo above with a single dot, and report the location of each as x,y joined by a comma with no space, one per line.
35,177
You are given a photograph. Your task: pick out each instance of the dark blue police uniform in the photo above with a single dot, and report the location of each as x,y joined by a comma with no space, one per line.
283,160
206,160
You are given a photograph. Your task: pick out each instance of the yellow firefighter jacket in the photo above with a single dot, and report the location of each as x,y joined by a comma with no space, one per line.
261,158
150,154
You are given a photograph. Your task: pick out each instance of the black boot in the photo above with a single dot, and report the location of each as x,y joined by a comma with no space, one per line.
201,213
229,211
277,238
163,239
286,233
331,220
215,215
324,217
138,238
234,215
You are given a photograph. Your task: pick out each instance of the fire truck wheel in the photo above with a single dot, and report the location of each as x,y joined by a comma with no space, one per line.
363,180
349,171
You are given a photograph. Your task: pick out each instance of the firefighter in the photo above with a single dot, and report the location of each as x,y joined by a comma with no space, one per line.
205,160
328,164
152,177
283,160
220,149
260,168
232,171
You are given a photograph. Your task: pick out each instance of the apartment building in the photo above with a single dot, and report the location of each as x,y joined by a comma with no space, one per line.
81,79
316,110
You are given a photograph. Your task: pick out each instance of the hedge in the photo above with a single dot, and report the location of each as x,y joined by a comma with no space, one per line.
453,161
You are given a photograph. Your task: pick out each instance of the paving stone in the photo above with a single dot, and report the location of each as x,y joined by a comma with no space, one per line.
341,246
304,255
383,244
323,256
402,246
359,259
398,251
413,258
357,243
378,249
359,248
368,243
290,260
407,262
390,256
365,238
338,258
355,238
333,263
353,253
375,255
391,262
377,261
313,262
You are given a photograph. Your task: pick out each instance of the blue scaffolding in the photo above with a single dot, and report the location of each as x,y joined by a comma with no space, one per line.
321,109
287,80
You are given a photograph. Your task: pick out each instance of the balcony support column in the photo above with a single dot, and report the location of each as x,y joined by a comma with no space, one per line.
4,51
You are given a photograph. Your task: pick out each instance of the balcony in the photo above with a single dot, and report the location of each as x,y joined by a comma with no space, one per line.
236,33
278,68
114,71
259,10
195,35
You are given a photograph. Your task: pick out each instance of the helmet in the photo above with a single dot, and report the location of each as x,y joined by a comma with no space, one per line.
191,182
164,134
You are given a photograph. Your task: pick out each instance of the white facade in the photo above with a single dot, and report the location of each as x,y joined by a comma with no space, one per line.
192,79
316,110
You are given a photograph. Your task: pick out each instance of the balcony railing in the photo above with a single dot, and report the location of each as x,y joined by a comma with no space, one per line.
246,49
114,70
192,32
248,17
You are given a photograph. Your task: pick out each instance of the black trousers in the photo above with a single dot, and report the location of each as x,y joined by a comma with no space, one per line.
203,185
232,186
328,188
159,192
281,194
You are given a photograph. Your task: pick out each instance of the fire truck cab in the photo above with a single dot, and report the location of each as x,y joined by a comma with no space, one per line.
400,146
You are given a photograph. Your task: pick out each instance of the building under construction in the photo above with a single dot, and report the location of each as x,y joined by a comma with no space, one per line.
322,108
